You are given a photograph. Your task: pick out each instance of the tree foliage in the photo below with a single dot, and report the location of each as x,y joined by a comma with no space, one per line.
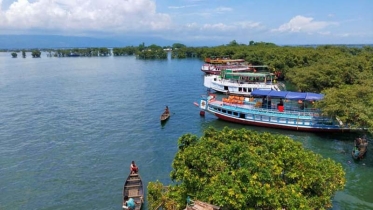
243,169
178,45
36,53
82,52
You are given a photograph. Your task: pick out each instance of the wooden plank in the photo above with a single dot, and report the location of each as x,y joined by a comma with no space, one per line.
132,186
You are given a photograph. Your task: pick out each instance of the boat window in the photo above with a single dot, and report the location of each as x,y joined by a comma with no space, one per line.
242,115
219,109
240,89
229,112
225,87
235,113
224,111
244,90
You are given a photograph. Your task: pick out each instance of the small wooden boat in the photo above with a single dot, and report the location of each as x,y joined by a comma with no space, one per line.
165,115
134,189
359,149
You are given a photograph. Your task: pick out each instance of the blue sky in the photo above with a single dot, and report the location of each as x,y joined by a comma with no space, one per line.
211,21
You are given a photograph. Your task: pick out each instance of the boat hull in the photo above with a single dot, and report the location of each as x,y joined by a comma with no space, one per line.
278,126
164,117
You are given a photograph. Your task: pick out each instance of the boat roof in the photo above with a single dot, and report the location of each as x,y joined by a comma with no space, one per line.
288,95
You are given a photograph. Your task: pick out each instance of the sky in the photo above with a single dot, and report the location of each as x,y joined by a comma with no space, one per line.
283,22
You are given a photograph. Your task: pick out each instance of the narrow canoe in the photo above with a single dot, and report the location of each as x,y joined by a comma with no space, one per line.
133,188
165,116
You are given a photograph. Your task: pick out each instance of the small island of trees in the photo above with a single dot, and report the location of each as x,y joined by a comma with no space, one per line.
243,169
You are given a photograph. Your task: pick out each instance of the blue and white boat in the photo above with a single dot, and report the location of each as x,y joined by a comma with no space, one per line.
274,109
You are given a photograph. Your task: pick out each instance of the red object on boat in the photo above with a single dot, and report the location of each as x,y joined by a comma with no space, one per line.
195,103
202,113
280,108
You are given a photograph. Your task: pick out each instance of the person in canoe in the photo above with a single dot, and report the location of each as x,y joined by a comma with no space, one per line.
166,111
129,203
134,169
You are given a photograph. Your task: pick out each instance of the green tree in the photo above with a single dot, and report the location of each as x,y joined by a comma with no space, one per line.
36,53
178,46
14,54
352,104
233,43
23,53
141,46
243,169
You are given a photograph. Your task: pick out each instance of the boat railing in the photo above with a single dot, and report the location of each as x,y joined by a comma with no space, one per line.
288,110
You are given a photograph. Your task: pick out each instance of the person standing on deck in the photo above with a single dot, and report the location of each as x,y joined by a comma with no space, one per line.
134,169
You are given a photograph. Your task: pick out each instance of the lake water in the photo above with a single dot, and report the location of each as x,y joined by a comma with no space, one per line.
69,128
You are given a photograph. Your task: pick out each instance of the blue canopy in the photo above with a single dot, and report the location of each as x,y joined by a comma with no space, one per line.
288,95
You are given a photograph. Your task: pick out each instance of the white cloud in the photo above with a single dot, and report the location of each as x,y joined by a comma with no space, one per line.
325,33
83,15
303,24
182,7
223,9
248,25
235,27
217,26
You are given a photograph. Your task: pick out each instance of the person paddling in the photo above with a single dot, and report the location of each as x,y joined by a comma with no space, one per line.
134,169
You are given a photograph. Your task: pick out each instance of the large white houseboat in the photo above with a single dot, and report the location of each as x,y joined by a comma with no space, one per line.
242,83
274,109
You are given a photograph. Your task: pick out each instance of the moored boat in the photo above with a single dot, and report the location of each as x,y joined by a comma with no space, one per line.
215,65
133,188
293,112
242,83
360,148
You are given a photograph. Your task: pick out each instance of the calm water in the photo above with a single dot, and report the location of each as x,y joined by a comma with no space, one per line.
69,128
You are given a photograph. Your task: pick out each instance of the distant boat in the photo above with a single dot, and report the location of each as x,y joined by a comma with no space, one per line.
133,188
215,65
165,115
359,149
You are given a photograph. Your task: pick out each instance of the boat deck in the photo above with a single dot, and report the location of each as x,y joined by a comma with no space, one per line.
243,108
